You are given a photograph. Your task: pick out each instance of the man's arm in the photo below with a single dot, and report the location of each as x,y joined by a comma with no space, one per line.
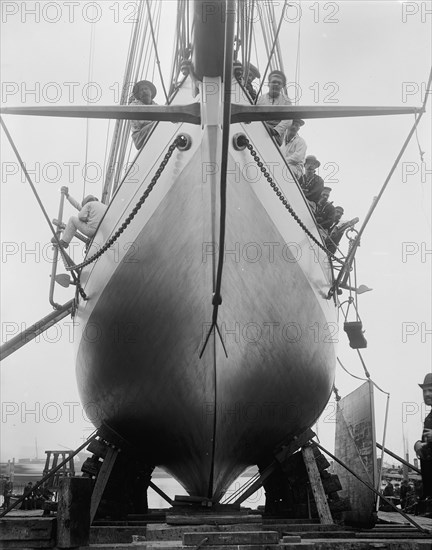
282,129
73,202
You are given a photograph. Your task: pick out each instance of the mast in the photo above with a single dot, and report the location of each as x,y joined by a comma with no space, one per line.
208,36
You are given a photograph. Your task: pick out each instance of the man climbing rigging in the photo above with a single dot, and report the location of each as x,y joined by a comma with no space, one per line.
91,212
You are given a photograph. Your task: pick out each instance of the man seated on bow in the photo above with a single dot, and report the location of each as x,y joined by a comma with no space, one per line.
251,74
325,212
142,94
295,148
337,229
312,184
91,212
277,81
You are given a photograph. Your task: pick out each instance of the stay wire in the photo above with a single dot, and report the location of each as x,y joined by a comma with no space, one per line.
36,194
156,51
369,486
387,180
297,68
275,41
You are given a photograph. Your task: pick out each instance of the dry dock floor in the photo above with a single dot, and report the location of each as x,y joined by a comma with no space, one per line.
242,532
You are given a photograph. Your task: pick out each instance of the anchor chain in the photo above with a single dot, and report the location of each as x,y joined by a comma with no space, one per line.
279,194
137,207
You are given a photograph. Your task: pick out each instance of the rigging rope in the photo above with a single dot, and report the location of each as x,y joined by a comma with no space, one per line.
275,42
351,254
297,67
156,50
44,212
89,79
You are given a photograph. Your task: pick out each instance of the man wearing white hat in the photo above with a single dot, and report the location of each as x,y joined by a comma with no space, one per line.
423,448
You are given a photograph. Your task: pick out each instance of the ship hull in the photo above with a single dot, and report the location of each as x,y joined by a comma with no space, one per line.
205,402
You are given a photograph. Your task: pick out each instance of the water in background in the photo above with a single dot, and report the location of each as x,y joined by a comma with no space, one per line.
171,487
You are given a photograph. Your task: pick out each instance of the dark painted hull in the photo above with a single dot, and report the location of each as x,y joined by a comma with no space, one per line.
139,368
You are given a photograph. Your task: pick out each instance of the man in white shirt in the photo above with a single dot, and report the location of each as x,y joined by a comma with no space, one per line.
277,81
91,212
295,148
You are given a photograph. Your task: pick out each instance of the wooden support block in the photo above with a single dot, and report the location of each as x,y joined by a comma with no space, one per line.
98,448
225,539
27,529
331,484
316,485
341,505
102,480
287,450
73,513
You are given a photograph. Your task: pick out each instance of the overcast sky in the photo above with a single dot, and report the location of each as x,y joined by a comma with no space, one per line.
351,53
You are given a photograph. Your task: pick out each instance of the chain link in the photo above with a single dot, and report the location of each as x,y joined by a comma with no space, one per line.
283,200
135,210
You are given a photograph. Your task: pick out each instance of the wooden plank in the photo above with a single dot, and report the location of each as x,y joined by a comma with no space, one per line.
102,480
226,547
73,514
316,485
38,328
26,529
224,539
214,519
5,545
175,532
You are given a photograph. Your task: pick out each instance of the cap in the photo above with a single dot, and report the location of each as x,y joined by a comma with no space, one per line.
253,71
339,208
298,121
280,74
328,189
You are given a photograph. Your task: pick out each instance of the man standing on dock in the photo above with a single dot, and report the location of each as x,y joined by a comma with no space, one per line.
423,448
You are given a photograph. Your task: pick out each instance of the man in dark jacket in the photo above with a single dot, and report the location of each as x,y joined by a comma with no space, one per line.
312,184
423,448
325,212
